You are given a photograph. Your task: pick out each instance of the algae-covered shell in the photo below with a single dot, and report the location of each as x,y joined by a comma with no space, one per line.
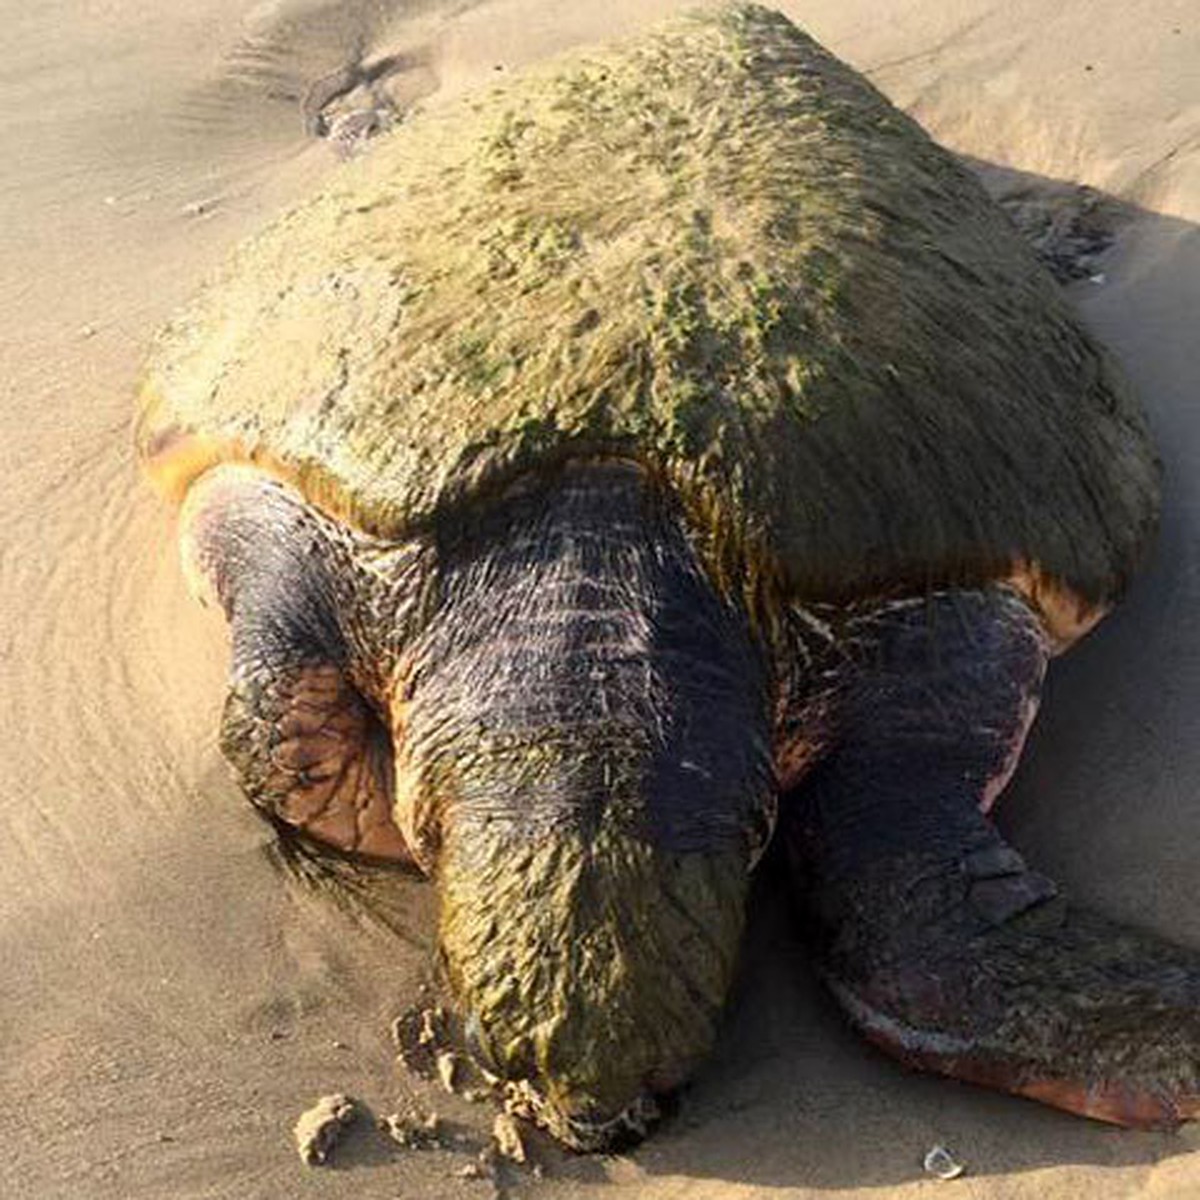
715,249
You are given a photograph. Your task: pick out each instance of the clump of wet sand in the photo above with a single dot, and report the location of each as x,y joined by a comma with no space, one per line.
318,1128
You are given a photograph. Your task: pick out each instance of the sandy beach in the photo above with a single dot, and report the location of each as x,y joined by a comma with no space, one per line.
169,1004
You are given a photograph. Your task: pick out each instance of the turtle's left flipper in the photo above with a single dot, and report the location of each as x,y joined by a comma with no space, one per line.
308,748
938,940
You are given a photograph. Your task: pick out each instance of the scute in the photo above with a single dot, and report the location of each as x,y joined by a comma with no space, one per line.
716,250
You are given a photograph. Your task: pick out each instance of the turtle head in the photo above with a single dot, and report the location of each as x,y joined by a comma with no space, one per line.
589,969
588,724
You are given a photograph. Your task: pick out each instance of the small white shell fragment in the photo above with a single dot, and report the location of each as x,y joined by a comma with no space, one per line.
319,1127
430,1021
199,208
941,1163
447,1068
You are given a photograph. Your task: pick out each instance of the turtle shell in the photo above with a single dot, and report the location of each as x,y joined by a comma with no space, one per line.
716,250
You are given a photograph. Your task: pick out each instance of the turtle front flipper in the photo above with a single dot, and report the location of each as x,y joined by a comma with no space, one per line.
306,743
941,944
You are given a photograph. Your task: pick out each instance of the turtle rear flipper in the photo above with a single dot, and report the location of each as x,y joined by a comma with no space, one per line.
942,945
309,750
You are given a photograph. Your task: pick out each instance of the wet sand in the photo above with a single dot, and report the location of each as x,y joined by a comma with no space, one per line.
169,1004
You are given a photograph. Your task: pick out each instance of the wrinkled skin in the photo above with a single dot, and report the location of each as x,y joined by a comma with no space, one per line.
546,706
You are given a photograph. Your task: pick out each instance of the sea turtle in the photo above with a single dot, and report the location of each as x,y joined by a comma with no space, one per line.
671,444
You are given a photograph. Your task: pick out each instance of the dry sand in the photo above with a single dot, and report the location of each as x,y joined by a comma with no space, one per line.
168,1005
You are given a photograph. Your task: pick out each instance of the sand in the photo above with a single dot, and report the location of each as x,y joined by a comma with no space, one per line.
168,1004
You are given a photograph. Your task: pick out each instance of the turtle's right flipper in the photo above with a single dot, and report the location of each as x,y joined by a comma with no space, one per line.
942,945
308,749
